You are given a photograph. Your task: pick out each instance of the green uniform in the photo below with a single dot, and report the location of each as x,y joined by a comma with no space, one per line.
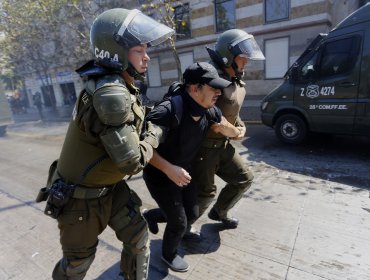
218,156
100,148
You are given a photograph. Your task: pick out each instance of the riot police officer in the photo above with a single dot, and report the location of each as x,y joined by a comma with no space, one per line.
217,156
102,146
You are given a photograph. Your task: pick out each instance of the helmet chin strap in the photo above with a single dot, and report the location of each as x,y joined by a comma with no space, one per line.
134,73
238,75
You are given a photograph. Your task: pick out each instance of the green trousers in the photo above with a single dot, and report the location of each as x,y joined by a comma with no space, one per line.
81,222
226,163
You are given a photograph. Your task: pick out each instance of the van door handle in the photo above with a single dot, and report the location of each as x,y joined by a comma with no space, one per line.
347,84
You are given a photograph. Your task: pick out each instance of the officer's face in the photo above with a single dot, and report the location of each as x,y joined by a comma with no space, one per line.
139,58
241,61
207,95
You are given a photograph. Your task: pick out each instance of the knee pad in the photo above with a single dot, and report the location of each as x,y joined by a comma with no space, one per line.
135,257
72,268
246,181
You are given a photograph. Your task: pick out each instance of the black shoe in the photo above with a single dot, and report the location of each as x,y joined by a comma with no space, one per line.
152,225
178,264
192,235
228,222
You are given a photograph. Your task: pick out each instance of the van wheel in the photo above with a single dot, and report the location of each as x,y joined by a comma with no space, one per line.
290,129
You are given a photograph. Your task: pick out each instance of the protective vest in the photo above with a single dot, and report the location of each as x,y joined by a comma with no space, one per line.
83,159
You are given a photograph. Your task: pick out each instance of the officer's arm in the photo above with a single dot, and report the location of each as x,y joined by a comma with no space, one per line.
175,173
120,139
239,124
225,128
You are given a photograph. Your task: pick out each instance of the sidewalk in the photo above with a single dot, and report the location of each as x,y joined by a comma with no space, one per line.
250,112
62,113
291,227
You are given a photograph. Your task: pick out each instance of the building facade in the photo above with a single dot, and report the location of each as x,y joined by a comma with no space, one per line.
282,28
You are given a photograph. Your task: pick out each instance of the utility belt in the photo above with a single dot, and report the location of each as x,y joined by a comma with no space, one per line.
215,143
82,192
78,192
57,192
58,195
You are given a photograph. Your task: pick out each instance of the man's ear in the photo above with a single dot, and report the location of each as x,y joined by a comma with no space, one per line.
194,89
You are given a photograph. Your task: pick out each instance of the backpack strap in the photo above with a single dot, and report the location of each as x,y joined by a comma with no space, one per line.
213,115
177,109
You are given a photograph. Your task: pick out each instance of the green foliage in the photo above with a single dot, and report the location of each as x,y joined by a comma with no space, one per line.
38,35
163,11
34,31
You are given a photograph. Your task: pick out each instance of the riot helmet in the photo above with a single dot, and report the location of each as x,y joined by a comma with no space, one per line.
234,42
117,30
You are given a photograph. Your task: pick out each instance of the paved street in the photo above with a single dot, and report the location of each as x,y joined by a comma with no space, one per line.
306,217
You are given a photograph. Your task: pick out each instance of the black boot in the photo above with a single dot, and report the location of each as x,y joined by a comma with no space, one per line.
192,235
151,221
228,222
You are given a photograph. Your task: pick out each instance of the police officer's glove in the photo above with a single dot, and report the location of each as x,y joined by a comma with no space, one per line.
154,134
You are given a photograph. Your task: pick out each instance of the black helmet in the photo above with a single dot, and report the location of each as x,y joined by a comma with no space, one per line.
115,31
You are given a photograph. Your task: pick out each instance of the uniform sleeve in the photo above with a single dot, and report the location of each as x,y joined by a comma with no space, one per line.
120,138
112,103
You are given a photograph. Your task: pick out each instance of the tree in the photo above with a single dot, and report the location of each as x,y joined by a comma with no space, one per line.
33,34
163,11
40,36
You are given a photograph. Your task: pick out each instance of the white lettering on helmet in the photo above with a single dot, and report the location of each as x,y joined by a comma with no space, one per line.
104,54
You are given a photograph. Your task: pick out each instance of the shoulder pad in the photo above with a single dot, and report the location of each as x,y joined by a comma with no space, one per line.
92,69
112,103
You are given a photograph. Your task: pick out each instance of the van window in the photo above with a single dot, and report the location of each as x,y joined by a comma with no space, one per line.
339,56
308,69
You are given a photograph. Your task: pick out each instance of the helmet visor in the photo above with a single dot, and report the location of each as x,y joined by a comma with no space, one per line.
145,29
250,48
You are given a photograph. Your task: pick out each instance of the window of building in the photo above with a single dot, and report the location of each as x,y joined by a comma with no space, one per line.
186,59
277,57
225,15
154,73
182,20
276,10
